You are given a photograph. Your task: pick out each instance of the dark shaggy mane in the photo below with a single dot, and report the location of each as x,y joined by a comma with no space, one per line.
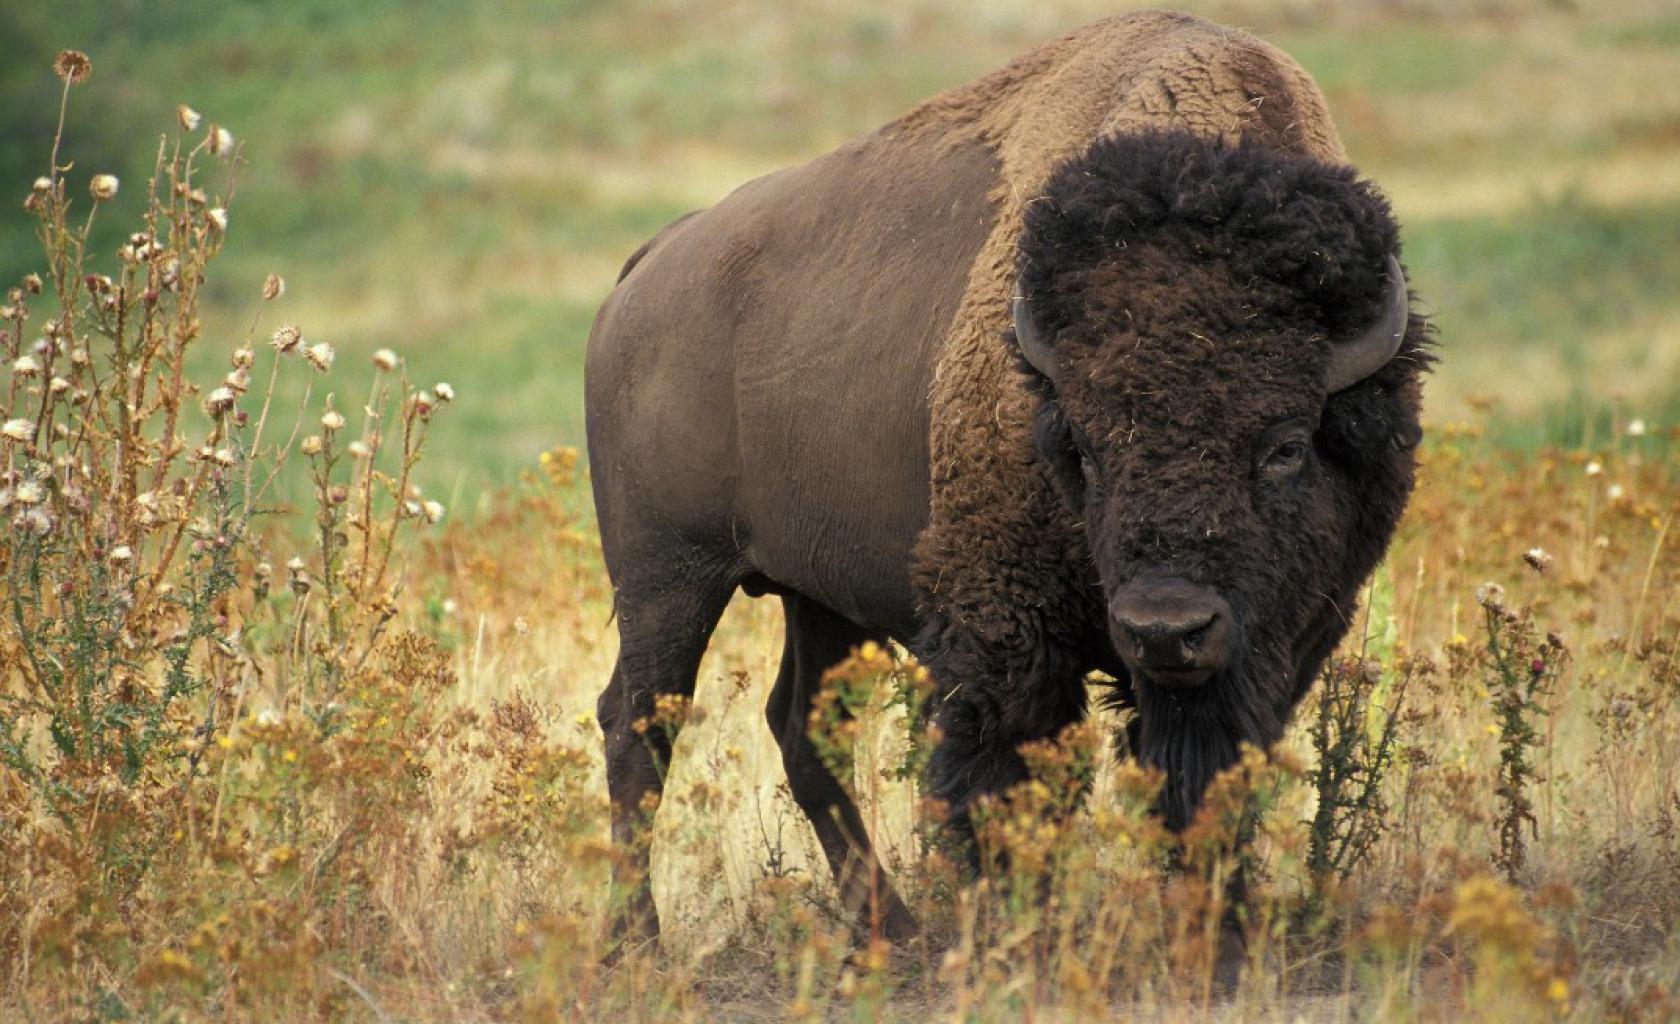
1280,222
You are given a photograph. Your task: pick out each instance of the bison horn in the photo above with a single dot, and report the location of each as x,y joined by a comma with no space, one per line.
1034,348
1352,361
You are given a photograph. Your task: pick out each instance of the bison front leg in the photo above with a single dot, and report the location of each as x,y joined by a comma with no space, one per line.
818,639
992,703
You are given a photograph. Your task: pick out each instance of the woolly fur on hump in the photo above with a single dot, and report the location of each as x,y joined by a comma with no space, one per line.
1312,234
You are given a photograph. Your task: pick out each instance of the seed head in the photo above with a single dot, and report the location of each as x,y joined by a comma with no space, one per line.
218,219
424,403
103,187
1636,428
1491,596
1615,492
360,449
298,577
27,493
34,521
20,430
286,338
274,286
42,185
26,366
72,66
320,355
187,116
1537,559
243,358
311,445
122,554
1594,468
220,140
32,282
222,457
432,510
220,401
332,422
444,392
385,359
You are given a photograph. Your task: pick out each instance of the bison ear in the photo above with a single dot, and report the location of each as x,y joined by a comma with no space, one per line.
1354,360
1035,348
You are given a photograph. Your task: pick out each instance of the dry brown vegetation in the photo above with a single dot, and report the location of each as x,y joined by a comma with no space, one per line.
328,763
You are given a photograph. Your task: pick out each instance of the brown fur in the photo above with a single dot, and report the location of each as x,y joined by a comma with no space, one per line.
1124,74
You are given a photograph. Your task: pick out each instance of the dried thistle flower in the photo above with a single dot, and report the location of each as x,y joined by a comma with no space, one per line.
1594,468
187,116
72,66
218,219
220,401
220,140
297,576
27,493
320,355
32,282
274,286
1615,492
1491,596
1538,559
1636,428
360,449
122,554
286,338
103,187
34,521
444,392
243,358
385,359
311,445
332,421
25,366
19,430
42,185
433,510
424,403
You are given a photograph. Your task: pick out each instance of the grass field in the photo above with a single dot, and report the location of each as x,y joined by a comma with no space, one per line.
337,822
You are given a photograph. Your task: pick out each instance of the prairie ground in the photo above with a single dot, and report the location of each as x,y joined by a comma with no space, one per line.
375,803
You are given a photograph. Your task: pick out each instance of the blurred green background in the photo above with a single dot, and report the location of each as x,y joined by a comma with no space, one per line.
460,181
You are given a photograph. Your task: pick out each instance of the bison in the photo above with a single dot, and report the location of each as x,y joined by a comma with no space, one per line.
1104,361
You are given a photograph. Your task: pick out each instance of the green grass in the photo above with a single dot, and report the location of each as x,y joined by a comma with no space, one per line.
460,181
1392,60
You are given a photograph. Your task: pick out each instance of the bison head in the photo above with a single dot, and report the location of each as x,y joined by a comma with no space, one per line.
1228,378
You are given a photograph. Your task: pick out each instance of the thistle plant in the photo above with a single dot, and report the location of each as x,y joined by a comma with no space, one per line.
1353,736
1520,669
139,621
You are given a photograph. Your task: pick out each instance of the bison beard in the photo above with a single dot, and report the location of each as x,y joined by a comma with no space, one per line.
1192,739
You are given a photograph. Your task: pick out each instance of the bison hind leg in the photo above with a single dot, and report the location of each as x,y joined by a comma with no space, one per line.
663,630
818,639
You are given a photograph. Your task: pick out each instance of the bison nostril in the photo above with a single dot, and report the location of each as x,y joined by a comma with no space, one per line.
1195,638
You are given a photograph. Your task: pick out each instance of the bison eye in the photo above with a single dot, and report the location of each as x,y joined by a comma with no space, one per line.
1286,459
